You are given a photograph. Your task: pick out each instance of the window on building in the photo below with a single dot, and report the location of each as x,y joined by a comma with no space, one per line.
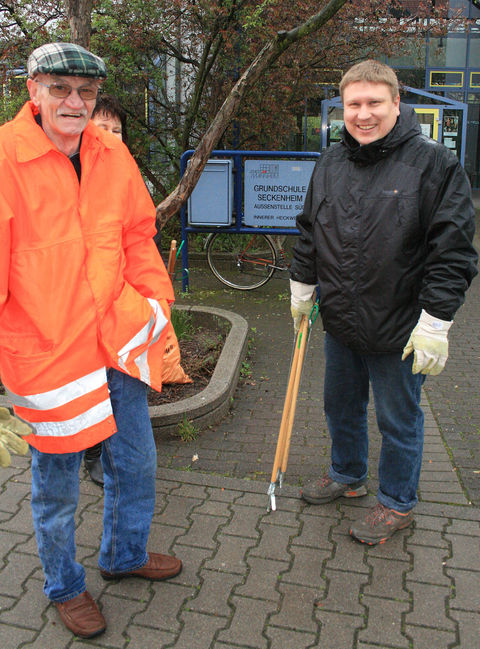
412,78
475,80
474,53
446,79
447,52
462,5
412,54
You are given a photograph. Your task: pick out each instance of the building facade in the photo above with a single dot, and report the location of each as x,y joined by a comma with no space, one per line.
446,71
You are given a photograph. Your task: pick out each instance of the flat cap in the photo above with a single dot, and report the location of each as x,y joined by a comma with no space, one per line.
65,59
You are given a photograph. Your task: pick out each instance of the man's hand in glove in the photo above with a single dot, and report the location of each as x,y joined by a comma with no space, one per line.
12,431
429,343
301,301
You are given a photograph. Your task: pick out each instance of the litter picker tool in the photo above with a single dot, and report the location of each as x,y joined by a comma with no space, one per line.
289,406
171,259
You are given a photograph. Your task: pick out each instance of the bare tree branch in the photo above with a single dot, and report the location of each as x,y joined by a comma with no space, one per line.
265,59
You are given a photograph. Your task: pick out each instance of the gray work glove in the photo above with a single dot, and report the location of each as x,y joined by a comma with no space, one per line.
12,431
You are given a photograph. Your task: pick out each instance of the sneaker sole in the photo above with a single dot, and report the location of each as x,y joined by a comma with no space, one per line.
351,493
380,540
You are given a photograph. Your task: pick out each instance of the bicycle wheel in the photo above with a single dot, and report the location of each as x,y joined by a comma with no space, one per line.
241,261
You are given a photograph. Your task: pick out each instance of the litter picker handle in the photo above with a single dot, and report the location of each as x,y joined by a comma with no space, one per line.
302,345
279,453
171,258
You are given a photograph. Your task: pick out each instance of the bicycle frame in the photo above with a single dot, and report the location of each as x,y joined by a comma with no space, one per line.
243,256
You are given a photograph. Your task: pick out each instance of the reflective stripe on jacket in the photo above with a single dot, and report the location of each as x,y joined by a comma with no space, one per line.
67,416
82,285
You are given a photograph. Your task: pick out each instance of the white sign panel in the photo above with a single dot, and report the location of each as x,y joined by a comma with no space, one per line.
275,191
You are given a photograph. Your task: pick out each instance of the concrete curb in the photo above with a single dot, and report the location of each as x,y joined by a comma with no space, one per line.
210,405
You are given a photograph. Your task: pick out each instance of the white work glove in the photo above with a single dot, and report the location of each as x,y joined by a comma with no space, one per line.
301,301
12,431
429,343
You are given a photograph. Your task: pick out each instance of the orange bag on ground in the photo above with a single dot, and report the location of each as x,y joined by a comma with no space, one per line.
172,370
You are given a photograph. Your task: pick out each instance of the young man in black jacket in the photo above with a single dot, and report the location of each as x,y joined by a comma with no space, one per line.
386,235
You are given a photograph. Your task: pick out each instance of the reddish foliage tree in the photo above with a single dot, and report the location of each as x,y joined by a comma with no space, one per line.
184,70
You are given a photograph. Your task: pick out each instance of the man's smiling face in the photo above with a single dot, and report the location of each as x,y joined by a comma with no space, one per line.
370,111
63,119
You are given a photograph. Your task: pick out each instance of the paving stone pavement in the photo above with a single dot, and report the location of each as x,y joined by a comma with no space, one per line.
289,579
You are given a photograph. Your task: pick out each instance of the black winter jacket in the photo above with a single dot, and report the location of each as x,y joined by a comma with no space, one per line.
386,230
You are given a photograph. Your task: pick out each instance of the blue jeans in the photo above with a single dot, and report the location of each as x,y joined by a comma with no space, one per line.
129,463
397,394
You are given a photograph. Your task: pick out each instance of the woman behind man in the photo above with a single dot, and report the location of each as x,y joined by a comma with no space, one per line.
109,115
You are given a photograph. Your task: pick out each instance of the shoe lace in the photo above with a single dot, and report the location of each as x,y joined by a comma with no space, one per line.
377,514
325,481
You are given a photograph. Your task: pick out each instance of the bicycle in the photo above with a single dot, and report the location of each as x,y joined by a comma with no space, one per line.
246,261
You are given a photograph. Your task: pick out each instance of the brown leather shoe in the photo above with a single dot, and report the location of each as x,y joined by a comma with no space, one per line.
158,567
82,616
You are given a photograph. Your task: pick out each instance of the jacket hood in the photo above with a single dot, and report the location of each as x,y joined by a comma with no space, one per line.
406,127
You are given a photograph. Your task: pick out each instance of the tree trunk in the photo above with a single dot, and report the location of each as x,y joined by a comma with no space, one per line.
79,13
267,56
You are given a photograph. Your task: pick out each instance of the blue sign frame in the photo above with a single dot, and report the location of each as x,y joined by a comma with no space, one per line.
238,226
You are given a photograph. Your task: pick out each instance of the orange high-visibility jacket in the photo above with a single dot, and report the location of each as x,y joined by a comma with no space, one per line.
82,285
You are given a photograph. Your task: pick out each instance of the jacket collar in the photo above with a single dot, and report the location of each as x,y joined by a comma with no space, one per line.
31,142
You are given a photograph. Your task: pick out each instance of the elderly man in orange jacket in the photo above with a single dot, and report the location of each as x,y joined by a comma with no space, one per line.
84,312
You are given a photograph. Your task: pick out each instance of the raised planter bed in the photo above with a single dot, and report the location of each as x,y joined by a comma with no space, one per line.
210,405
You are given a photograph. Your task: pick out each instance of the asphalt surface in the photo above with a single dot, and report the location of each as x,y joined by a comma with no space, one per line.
293,578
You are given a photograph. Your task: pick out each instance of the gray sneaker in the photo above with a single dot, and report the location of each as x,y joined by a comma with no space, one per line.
380,524
325,489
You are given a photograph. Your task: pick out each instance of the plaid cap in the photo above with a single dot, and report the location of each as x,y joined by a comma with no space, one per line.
65,59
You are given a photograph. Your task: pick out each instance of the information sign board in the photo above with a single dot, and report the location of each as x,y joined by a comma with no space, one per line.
274,191
210,203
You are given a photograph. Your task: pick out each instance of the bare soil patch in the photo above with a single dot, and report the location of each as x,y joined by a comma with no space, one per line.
198,357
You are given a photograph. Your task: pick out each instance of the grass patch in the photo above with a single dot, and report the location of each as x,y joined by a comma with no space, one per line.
187,431
182,322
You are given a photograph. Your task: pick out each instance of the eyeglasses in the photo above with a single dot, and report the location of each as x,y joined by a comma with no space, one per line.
62,90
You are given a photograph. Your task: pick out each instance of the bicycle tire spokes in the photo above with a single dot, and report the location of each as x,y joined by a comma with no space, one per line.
281,256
